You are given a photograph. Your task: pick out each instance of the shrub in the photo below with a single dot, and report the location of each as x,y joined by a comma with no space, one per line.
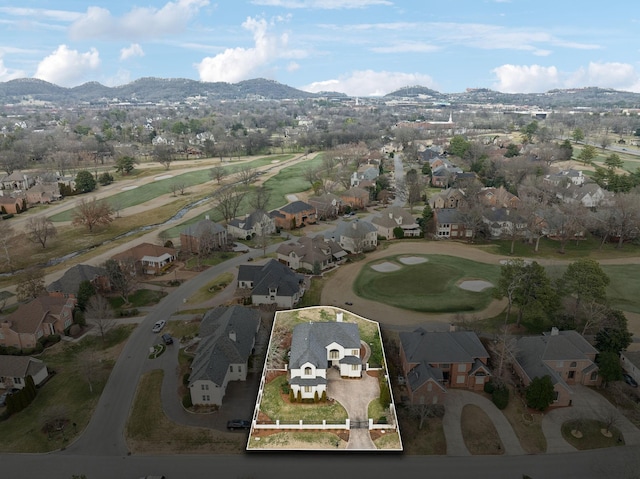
385,394
185,379
489,387
186,400
284,387
540,393
500,397
292,396
324,396
299,398
315,396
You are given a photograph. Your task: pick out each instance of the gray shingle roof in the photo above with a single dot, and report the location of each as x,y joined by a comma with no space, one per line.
247,223
19,366
217,350
310,340
201,227
351,229
421,346
71,279
296,207
272,274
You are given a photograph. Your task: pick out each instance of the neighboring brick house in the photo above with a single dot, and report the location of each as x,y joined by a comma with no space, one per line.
328,205
356,236
395,217
41,317
254,224
449,198
69,284
17,181
272,283
14,371
317,346
203,237
227,337
498,198
294,215
504,223
11,205
148,258
43,193
357,198
306,252
364,173
450,224
565,356
434,361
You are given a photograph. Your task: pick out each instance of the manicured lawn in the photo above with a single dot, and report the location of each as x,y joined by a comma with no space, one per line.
138,299
624,286
527,426
429,440
290,180
589,247
388,440
212,288
275,407
429,286
68,394
592,436
150,431
298,440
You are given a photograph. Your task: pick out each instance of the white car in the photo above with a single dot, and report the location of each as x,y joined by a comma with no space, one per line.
158,326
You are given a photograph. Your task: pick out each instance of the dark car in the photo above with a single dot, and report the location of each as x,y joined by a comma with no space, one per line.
629,380
167,338
238,424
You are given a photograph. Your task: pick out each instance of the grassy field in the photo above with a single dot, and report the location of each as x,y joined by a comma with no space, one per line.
275,407
138,299
479,433
68,395
150,431
212,288
429,286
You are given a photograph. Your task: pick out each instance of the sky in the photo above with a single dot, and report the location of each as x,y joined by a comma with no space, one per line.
358,47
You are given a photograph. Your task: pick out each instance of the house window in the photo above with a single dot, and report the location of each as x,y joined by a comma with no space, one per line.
573,364
460,379
559,364
307,389
307,371
333,354
594,375
555,395
204,387
355,352
17,380
462,368
206,398
571,375
445,366
429,387
231,368
355,367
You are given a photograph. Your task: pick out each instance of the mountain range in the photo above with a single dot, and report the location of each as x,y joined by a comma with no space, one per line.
154,90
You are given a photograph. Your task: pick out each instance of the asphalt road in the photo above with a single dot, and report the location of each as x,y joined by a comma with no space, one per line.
618,463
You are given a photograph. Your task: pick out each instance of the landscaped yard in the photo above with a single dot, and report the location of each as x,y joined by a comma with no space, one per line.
276,406
430,286
526,425
138,299
69,397
591,434
479,433
292,440
212,288
429,440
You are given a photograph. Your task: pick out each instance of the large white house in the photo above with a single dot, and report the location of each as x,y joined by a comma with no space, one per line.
315,347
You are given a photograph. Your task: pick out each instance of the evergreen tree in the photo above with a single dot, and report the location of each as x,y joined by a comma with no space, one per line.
540,393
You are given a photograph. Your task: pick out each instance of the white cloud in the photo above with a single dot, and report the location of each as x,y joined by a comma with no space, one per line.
31,13
293,66
237,64
7,74
370,83
321,4
407,47
65,67
133,50
536,78
148,22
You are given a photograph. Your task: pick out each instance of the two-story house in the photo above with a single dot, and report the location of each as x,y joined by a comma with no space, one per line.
356,236
294,215
271,283
309,253
148,258
203,237
68,284
395,217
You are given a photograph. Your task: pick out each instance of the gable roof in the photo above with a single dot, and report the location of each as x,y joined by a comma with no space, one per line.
421,346
145,250
394,216
311,249
309,341
296,207
351,229
448,215
248,222
19,366
28,317
70,281
217,349
272,274
202,227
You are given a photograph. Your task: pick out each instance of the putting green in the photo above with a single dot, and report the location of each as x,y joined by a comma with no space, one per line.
430,287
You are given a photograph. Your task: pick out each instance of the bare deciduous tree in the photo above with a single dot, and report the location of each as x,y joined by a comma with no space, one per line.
6,234
100,314
229,200
40,229
246,174
259,200
91,213
31,284
217,173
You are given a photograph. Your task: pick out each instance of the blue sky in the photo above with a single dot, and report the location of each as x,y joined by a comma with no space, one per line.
359,47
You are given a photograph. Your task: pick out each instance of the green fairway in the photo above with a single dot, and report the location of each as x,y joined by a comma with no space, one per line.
624,288
430,287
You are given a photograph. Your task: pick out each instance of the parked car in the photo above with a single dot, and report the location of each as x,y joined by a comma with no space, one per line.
158,326
238,424
3,398
629,380
167,338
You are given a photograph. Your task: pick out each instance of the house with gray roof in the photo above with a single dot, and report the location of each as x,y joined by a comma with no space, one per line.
68,285
327,205
434,361
450,223
565,356
203,237
315,347
294,215
355,236
272,283
257,223
310,253
395,217
227,340
15,369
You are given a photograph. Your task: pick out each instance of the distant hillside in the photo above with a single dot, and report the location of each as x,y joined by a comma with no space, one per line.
146,90
155,90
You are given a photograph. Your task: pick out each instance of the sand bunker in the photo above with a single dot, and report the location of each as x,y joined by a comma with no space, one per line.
126,188
413,260
475,285
163,177
275,161
507,261
386,267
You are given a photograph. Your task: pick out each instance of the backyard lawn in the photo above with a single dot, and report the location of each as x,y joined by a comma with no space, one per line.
430,286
